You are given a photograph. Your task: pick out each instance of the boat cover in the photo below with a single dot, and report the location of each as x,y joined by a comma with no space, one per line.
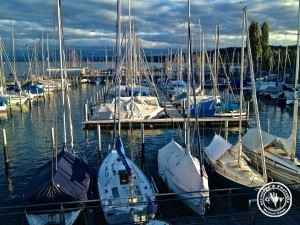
121,153
70,182
217,148
251,139
183,168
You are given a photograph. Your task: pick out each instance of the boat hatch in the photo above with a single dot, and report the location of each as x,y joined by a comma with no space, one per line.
115,192
124,178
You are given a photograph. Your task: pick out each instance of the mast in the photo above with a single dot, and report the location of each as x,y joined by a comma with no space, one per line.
118,73
296,100
48,57
241,89
13,48
188,82
191,74
255,99
61,57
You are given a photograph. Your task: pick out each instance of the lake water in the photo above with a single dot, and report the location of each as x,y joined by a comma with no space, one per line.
28,134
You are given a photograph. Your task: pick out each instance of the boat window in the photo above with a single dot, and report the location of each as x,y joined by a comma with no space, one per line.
123,176
115,192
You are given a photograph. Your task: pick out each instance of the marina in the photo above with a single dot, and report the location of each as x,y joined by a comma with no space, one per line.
32,124
192,141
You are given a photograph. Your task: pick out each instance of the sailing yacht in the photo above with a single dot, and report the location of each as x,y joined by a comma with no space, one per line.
126,195
183,173
227,161
12,97
54,191
279,153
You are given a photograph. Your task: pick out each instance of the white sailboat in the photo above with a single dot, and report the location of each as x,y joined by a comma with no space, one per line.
12,98
228,162
280,153
183,173
125,192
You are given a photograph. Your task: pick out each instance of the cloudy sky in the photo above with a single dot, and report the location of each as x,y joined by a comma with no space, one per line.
160,24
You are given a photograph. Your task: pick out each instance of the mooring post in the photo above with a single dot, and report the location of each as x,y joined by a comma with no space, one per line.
143,147
86,112
5,149
44,97
99,145
20,96
10,101
37,95
184,132
226,130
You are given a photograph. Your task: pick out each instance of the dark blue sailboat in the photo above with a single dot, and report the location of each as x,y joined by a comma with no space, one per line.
54,184
69,182
64,179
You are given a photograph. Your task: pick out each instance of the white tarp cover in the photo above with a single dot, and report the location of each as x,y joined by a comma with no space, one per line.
251,139
143,107
217,148
183,167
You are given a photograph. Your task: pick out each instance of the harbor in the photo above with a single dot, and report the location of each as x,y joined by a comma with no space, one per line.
206,137
32,125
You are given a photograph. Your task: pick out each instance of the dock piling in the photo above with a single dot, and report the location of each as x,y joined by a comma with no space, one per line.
99,145
143,148
5,149
86,112
20,101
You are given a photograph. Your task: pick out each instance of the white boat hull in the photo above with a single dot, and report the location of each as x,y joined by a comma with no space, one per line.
131,201
278,170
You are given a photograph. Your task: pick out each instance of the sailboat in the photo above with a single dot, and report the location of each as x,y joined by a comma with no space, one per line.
54,191
11,97
280,153
228,162
125,192
183,173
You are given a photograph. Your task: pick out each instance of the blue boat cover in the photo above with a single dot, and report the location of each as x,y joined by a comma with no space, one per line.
70,181
121,153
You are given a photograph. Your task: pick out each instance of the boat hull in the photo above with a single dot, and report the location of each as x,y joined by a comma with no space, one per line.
276,170
119,204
